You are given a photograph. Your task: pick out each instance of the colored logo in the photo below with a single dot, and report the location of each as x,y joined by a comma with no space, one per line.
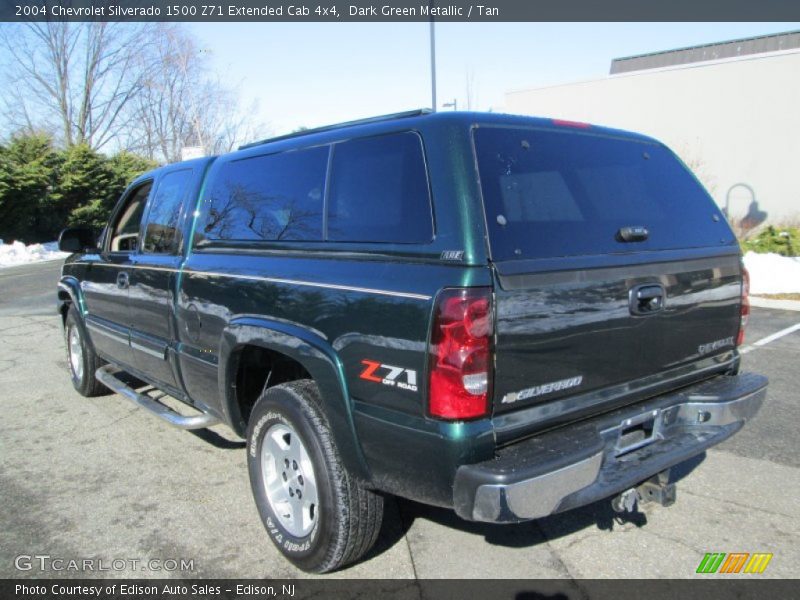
389,375
735,562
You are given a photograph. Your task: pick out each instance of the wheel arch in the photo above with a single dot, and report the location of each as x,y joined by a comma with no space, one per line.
69,293
315,355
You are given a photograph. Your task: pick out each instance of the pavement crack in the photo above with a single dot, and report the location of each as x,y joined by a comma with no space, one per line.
669,538
562,566
406,528
740,505
582,538
12,363
115,421
108,425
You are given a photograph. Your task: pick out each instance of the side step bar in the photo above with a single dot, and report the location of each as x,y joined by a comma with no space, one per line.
107,376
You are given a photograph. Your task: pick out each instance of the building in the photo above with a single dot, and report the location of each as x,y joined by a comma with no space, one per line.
731,110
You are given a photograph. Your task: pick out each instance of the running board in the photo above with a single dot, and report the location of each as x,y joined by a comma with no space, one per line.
107,376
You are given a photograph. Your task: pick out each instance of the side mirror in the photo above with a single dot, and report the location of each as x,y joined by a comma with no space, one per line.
76,239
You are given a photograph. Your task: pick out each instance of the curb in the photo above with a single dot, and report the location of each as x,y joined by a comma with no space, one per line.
773,303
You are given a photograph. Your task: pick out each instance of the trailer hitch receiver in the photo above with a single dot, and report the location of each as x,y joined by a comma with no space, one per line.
656,489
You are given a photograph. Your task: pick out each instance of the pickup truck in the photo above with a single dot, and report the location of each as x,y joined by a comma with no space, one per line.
507,316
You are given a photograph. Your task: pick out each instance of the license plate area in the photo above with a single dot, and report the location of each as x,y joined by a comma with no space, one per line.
638,431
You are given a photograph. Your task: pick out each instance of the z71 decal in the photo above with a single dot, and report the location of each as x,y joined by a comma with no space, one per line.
389,375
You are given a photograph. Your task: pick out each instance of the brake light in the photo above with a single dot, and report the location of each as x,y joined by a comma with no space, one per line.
566,123
460,361
745,310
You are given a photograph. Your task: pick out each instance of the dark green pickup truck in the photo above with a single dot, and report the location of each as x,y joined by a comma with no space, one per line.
503,315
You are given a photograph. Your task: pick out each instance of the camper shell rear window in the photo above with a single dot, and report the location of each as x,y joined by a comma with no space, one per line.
549,193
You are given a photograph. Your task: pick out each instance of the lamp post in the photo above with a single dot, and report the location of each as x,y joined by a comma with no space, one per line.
433,64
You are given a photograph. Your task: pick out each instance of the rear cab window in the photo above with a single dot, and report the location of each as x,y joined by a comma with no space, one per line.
549,193
371,189
273,197
379,191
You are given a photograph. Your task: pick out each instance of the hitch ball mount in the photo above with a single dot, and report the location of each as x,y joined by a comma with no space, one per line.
656,489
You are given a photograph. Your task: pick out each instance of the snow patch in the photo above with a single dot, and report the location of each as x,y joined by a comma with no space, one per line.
773,273
17,253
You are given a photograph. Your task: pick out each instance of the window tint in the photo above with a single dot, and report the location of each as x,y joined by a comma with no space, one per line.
273,197
125,234
162,233
379,191
550,193
542,196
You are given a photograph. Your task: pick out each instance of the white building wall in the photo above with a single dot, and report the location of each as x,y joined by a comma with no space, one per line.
734,121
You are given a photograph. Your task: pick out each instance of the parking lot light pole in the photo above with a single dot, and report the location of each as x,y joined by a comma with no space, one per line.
433,65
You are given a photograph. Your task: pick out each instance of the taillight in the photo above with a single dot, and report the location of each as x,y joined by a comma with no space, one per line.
745,311
461,361
566,123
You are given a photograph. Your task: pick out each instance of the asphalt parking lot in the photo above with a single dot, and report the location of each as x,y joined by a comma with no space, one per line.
98,478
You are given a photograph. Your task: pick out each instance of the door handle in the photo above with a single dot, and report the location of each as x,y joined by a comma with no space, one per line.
647,299
123,281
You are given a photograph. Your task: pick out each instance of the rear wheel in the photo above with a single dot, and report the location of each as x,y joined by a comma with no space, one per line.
315,513
81,358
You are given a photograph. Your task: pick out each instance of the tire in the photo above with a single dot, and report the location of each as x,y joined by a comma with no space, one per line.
289,446
81,358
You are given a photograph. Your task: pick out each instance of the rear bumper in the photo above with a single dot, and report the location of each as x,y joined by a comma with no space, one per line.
594,459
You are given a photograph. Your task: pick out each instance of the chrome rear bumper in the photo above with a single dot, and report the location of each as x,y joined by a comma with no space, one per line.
591,460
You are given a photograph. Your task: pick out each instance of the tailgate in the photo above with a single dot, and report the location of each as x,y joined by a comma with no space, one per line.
568,332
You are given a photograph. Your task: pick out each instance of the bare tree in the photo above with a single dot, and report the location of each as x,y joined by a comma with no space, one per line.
691,154
75,79
159,107
183,104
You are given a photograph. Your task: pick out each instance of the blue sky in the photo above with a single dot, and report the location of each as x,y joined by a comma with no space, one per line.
315,74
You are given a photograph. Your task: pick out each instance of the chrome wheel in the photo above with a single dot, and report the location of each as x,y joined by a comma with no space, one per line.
289,480
75,349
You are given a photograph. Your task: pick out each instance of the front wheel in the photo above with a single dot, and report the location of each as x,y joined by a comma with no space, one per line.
82,360
315,513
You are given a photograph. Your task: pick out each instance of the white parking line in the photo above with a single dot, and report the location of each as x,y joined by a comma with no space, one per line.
770,338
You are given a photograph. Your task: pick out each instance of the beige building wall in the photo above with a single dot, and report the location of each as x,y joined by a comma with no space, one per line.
736,122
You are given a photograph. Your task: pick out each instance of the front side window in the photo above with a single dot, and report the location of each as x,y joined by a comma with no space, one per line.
276,197
125,233
379,191
162,234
